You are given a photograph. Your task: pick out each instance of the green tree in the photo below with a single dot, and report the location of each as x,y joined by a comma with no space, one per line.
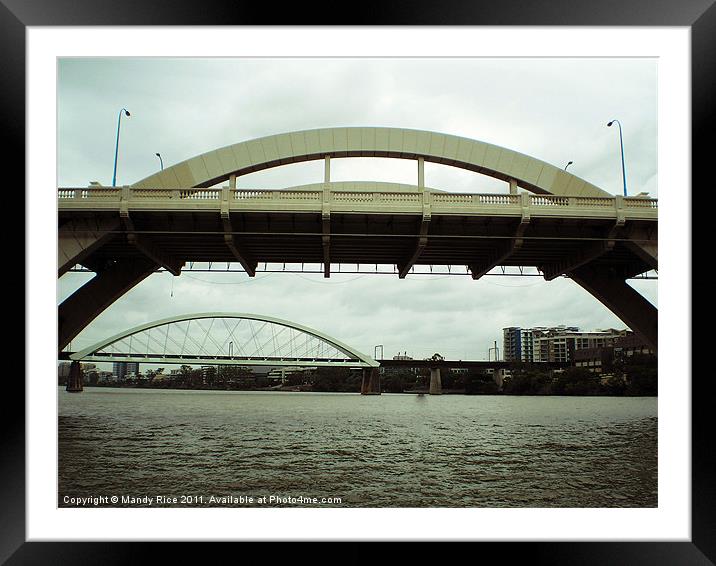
395,381
614,384
577,381
184,376
640,373
480,383
93,377
334,379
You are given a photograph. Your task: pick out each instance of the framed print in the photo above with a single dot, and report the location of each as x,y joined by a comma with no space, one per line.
549,447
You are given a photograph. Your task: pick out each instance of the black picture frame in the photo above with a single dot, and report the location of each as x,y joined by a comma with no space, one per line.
698,15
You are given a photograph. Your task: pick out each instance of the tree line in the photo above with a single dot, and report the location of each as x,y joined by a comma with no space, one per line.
630,375
634,375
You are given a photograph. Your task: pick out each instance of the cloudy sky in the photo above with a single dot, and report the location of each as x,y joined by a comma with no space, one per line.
554,109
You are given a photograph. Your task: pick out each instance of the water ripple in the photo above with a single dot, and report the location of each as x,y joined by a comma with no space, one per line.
448,451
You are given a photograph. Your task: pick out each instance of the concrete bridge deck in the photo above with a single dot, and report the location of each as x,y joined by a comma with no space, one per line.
357,227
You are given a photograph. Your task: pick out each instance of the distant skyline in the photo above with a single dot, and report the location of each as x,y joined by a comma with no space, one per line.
553,109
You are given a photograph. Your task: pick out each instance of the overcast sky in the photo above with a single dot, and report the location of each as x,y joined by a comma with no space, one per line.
552,109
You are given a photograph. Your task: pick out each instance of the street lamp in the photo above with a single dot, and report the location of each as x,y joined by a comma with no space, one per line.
375,352
568,164
116,147
496,350
621,143
161,163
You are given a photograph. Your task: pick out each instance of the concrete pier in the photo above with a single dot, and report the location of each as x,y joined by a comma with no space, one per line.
371,382
499,378
436,387
75,379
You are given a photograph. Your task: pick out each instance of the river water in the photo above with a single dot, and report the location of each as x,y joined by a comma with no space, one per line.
392,450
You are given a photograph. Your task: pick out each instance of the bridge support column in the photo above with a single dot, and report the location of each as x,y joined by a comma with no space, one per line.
371,382
436,386
75,379
498,376
85,304
625,302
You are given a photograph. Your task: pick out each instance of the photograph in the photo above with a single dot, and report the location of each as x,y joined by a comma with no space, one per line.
357,282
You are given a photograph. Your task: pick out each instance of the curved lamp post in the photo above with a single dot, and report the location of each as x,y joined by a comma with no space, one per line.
496,350
116,147
568,164
161,163
621,144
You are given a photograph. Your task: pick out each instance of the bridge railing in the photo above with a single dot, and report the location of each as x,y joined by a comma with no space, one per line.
631,202
354,201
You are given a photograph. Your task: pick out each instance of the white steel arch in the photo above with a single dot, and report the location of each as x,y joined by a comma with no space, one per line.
248,339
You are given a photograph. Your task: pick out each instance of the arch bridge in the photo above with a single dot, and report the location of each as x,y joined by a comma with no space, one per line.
557,222
225,339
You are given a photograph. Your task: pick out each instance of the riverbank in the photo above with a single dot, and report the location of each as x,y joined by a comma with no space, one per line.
308,389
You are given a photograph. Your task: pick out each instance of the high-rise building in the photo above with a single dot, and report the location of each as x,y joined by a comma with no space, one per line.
517,344
552,343
560,346
121,369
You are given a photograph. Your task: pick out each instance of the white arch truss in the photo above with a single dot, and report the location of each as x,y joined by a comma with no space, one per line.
218,338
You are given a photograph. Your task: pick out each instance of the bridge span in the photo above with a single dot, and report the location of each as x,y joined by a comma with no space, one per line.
242,339
547,218
468,364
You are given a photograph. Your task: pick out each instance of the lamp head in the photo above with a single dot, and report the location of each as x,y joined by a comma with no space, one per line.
126,112
157,155
610,123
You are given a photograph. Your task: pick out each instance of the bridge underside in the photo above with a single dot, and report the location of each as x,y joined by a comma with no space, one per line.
596,253
383,239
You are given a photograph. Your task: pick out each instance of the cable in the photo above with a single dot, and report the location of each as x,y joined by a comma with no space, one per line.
330,282
251,280
530,285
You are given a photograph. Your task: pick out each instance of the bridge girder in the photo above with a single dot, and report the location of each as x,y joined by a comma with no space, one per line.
406,266
583,256
498,255
154,254
148,248
647,251
79,238
242,256
501,252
